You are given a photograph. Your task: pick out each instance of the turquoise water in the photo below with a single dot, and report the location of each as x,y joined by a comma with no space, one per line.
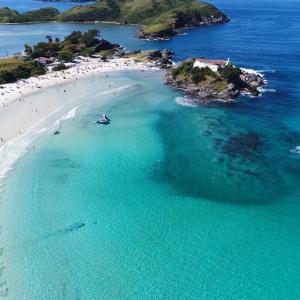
170,201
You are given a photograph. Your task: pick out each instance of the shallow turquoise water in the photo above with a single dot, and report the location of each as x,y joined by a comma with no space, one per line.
169,201
144,208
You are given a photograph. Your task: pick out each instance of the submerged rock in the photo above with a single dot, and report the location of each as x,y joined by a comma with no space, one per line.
244,144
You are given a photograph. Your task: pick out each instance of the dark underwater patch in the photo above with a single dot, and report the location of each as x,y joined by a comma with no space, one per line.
221,155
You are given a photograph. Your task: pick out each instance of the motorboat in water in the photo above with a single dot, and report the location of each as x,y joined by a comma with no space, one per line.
104,119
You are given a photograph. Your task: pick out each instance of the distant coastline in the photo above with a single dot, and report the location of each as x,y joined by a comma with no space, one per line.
158,20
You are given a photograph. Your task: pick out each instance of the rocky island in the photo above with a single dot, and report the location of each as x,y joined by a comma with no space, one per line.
160,19
206,80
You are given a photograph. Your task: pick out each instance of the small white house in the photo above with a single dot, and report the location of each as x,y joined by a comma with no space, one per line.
214,65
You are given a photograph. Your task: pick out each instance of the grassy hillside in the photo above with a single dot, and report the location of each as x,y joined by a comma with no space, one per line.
160,18
6,15
40,15
12,69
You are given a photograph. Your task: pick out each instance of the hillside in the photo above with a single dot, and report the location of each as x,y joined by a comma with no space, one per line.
160,18
40,15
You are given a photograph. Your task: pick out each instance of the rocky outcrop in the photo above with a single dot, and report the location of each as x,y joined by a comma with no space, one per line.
158,58
105,45
163,34
216,88
166,33
252,82
161,58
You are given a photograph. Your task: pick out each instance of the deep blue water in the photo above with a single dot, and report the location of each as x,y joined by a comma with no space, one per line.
25,5
174,202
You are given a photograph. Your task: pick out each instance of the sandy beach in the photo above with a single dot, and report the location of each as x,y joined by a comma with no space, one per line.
18,113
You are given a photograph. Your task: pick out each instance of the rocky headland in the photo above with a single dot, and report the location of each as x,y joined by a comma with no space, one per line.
205,85
161,32
158,19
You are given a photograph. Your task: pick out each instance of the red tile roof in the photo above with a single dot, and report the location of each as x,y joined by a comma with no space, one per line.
212,62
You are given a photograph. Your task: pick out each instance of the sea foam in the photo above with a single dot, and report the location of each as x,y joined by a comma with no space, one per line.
296,150
185,101
70,115
15,149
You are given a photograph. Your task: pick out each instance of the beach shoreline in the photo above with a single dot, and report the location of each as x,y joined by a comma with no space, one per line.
26,112
14,96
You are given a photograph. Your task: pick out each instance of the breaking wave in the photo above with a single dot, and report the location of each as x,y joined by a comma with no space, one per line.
185,101
296,150
16,148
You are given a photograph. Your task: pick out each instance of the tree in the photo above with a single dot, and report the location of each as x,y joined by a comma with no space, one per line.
197,75
60,67
45,50
40,49
90,38
49,38
231,74
57,40
75,37
28,50
66,56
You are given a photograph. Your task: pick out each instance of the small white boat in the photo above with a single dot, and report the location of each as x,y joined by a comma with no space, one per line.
104,119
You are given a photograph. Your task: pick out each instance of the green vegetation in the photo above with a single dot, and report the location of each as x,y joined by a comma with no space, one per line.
66,56
76,43
14,69
60,67
206,77
40,15
231,74
160,18
6,15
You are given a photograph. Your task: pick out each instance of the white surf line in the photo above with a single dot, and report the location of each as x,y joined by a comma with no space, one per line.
16,148
120,88
8,154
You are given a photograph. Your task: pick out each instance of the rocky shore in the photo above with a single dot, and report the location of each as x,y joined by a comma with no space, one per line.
157,58
165,33
215,87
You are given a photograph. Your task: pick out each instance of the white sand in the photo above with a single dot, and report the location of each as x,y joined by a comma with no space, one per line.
18,114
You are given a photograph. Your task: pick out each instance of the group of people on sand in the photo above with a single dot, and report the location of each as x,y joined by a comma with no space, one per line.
90,67
18,90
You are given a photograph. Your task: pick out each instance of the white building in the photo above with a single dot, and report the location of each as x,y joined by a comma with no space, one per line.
214,65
